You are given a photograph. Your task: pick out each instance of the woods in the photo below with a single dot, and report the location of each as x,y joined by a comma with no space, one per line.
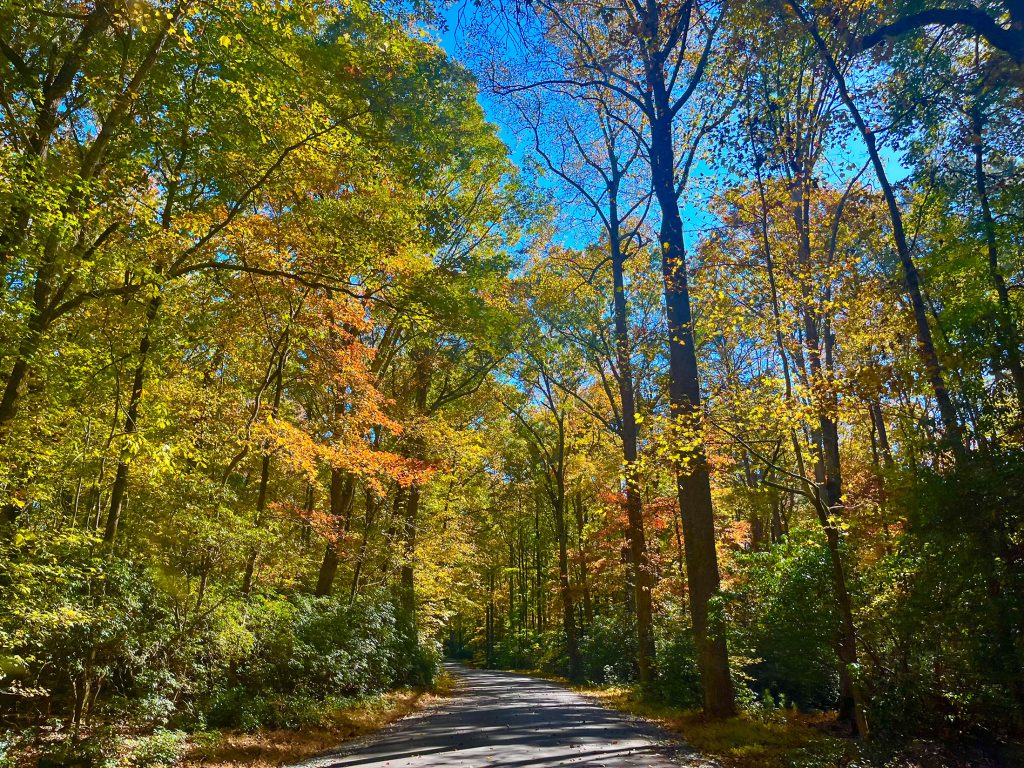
674,346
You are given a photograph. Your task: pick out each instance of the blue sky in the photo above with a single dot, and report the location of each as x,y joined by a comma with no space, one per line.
695,209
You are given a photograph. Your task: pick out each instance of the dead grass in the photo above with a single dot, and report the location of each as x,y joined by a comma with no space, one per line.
741,742
786,739
272,748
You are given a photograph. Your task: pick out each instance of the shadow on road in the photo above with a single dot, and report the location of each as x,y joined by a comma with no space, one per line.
503,719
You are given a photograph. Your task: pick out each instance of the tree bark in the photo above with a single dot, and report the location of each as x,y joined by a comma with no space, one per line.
261,495
642,573
564,585
407,573
342,492
1006,325
117,491
693,476
368,521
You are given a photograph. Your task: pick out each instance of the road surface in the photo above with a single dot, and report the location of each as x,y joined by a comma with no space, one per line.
503,719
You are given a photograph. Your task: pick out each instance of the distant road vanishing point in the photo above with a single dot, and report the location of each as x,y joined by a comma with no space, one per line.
504,719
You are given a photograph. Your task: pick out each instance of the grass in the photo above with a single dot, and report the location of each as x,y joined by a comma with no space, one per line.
270,748
783,740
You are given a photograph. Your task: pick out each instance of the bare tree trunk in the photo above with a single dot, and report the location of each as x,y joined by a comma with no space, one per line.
564,586
120,485
693,475
342,492
490,621
368,521
588,606
407,573
640,562
410,517
828,469
1006,326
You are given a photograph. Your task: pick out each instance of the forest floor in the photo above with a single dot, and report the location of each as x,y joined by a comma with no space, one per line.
271,748
786,738
780,740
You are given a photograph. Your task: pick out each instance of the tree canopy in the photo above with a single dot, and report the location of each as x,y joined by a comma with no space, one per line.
671,344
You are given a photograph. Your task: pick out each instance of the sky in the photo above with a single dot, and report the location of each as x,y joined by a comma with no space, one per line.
697,216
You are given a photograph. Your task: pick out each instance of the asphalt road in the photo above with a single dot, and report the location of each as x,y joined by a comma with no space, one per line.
503,719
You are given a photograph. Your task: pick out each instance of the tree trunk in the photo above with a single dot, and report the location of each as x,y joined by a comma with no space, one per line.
342,492
261,496
490,621
828,469
407,573
640,562
1006,325
17,379
912,280
564,586
693,478
120,485
588,605
368,520
410,518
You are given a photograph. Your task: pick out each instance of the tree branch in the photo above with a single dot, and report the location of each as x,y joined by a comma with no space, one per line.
1009,41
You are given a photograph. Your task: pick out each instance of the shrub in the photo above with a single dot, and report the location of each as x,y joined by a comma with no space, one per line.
160,748
608,649
678,681
785,620
521,648
302,651
944,626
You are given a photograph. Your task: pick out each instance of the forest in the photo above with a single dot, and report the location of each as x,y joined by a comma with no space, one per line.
674,347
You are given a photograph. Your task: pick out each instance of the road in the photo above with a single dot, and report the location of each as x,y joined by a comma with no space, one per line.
504,719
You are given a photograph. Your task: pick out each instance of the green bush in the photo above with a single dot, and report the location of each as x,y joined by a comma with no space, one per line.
322,646
303,651
944,627
678,680
162,660
102,749
784,619
245,710
521,648
160,748
608,649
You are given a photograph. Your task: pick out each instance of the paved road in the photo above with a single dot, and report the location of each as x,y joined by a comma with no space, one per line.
502,719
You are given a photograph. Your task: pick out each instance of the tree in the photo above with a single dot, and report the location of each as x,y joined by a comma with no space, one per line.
654,57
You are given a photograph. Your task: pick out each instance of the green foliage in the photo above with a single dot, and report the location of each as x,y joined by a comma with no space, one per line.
160,748
785,619
217,247
525,648
608,648
678,681
944,629
79,620
298,370
319,646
